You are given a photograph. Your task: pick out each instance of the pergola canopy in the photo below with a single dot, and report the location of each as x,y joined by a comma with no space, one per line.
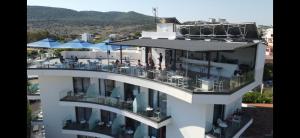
45,43
78,44
189,45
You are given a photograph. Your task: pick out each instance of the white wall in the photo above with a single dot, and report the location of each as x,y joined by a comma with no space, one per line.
53,113
121,86
146,96
231,107
244,55
95,81
260,62
188,120
164,27
157,35
209,116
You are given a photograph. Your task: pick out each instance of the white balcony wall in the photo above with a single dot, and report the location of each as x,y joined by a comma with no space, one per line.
188,120
231,107
53,113
260,62
209,114
156,35
165,27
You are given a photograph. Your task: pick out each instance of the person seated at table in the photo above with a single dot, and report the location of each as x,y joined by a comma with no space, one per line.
139,64
237,73
76,59
72,57
180,70
151,64
61,59
117,63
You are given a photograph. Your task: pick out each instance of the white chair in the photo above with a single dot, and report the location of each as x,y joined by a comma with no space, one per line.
198,81
169,77
218,85
216,130
183,82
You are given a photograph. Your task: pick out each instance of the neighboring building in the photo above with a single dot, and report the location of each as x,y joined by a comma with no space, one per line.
200,84
268,37
86,37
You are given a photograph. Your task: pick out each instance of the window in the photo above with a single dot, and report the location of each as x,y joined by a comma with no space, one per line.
80,84
83,113
109,86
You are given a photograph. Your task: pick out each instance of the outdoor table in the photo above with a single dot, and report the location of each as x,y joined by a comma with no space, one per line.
149,110
154,72
124,69
101,123
129,131
207,84
82,121
222,125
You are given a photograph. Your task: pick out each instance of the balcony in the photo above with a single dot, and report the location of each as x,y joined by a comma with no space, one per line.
111,129
130,108
235,127
97,129
188,78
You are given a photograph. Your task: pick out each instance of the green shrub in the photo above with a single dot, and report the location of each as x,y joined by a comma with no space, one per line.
251,97
256,97
28,121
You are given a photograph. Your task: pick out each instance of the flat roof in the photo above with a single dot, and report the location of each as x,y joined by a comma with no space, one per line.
189,45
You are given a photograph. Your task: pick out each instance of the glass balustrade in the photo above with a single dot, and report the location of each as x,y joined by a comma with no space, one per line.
195,79
133,106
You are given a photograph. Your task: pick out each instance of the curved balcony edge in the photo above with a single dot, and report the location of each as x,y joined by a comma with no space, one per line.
123,112
178,93
85,133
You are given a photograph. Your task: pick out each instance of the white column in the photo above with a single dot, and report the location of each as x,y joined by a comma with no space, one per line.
121,85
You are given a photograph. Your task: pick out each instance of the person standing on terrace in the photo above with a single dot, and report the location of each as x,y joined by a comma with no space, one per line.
160,60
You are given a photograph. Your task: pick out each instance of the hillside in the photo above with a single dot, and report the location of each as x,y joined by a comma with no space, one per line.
63,21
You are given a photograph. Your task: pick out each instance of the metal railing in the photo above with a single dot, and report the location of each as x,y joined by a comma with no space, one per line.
178,78
103,129
153,115
233,126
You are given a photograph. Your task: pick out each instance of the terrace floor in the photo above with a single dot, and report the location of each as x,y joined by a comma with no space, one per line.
262,126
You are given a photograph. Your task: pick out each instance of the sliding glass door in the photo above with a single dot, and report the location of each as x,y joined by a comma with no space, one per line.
81,84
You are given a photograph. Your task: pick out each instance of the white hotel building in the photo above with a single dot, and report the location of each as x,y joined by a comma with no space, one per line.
197,94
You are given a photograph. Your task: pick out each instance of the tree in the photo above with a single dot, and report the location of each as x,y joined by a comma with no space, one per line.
28,121
268,72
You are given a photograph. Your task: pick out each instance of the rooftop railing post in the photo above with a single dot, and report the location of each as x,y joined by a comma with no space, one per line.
208,68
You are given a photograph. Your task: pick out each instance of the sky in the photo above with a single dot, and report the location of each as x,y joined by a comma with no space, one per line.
259,11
